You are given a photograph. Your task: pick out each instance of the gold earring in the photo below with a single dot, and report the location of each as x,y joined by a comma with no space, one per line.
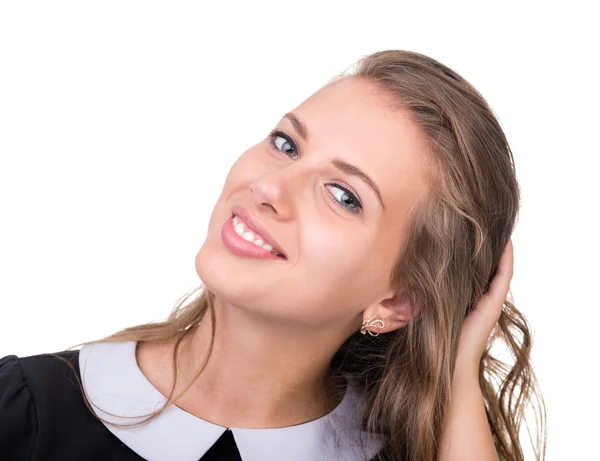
375,321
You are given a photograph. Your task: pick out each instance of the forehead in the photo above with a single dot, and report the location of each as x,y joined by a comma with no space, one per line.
349,119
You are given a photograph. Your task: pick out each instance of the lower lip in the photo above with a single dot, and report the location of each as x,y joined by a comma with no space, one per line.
242,247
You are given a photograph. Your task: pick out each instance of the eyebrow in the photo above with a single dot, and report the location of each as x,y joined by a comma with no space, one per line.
340,164
298,125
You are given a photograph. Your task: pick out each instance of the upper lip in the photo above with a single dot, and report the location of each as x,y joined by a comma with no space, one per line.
256,226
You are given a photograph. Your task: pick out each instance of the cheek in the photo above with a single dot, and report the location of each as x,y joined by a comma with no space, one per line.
241,174
340,269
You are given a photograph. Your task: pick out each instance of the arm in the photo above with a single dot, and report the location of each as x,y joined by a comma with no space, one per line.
467,435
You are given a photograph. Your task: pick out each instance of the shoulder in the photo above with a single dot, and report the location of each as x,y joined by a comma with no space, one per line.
344,427
18,421
54,382
49,373
37,392
48,377
37,376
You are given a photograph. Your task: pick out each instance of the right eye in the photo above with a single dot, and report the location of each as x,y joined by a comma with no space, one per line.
283,143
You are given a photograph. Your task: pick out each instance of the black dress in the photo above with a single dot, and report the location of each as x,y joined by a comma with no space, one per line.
44,417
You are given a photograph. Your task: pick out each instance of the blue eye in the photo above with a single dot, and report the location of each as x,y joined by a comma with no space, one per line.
354,206
283,143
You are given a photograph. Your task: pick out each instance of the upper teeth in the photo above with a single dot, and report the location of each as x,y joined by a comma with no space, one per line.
250,236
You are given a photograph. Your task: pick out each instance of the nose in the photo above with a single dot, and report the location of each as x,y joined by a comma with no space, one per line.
270,195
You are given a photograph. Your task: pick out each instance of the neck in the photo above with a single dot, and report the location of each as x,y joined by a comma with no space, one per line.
258,374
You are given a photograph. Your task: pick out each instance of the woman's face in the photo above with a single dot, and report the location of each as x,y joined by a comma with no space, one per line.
340,232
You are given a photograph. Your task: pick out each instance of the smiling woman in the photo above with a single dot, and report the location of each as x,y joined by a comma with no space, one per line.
355,275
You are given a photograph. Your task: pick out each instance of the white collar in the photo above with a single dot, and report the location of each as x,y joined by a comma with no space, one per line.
114,383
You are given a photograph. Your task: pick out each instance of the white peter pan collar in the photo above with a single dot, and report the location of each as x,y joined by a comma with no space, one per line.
114,383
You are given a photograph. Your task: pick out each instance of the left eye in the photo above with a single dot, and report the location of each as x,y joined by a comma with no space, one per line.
344,198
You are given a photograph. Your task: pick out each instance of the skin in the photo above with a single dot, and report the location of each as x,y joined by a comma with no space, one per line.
467,434
279,322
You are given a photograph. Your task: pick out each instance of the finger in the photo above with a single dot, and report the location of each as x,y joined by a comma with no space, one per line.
500,285
490,304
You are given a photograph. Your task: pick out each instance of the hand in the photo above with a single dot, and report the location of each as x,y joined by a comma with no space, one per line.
480,322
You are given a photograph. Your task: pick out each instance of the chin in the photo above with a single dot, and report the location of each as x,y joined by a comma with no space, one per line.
222,274
261,291
234,287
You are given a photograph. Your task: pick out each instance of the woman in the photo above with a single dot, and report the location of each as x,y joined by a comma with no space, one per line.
355,274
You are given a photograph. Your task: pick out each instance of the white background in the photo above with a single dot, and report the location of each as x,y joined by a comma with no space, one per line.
119,121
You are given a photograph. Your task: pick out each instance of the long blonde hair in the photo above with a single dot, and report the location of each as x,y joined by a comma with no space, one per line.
455,241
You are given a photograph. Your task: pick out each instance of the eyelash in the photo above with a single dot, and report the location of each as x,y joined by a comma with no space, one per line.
280,134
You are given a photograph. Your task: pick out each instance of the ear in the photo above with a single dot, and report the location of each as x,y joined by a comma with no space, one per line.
395,310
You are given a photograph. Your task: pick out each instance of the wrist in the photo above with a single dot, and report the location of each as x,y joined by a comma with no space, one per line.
466,373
